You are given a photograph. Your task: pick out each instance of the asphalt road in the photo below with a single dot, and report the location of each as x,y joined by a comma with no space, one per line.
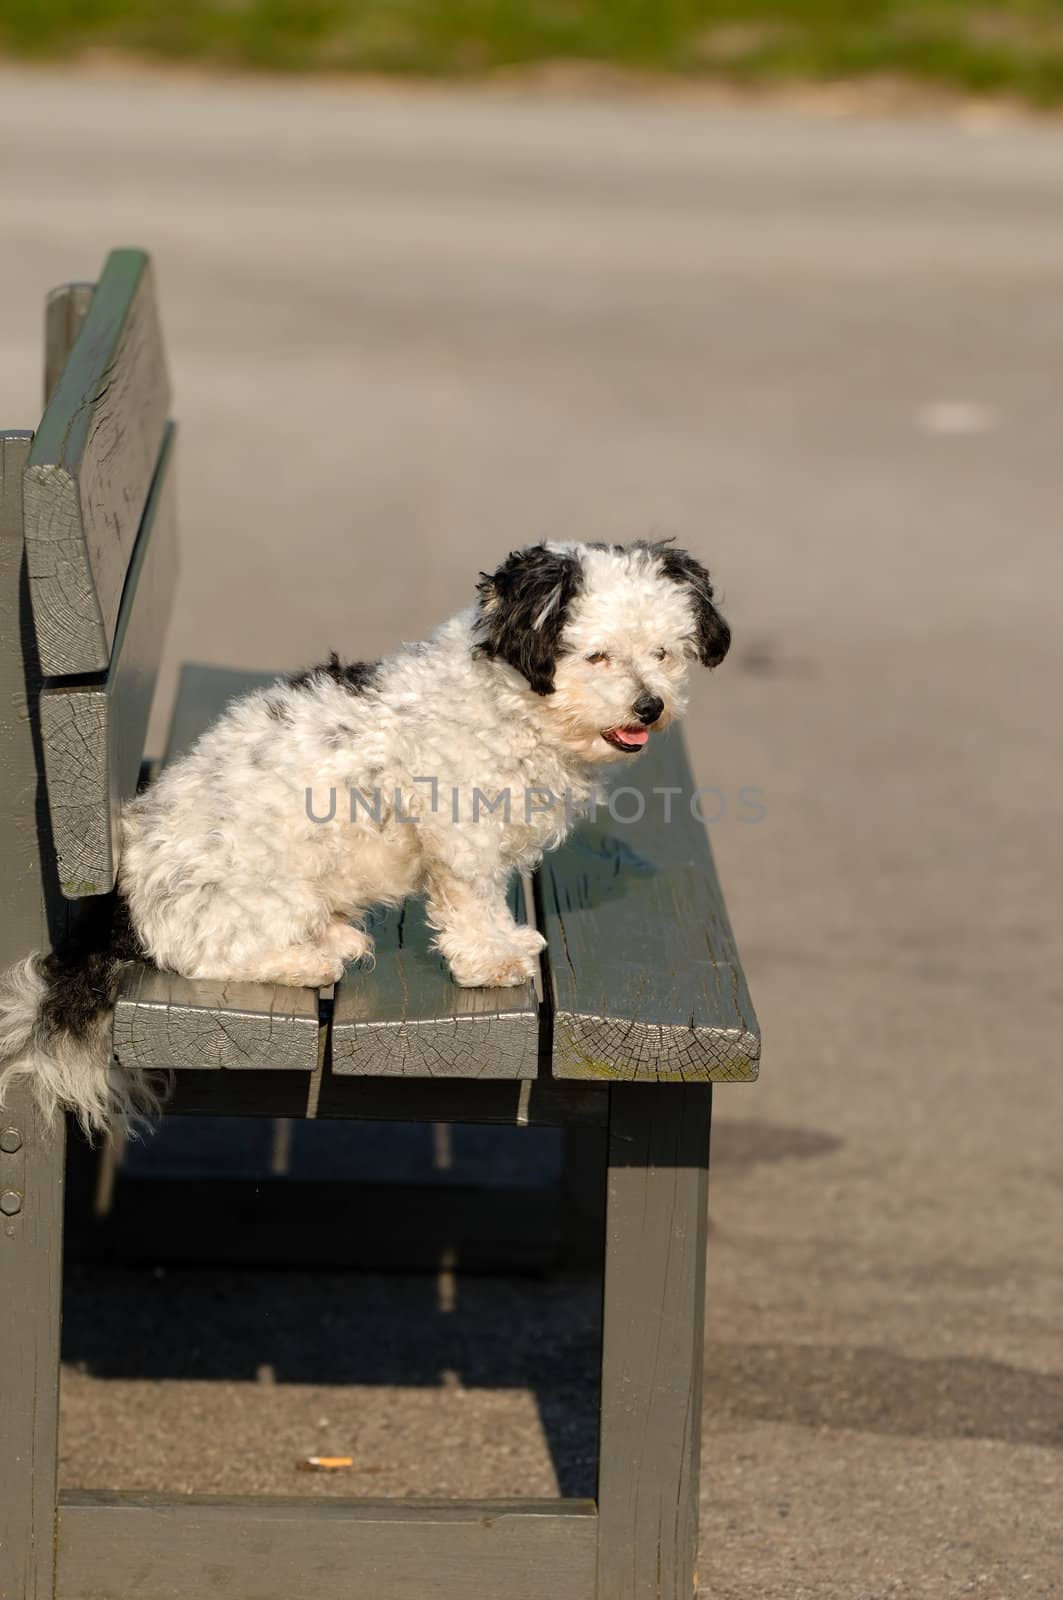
412,330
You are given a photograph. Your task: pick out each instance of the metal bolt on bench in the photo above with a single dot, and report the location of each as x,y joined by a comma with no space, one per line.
645,1007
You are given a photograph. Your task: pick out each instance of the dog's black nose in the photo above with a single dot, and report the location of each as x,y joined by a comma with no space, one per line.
648,708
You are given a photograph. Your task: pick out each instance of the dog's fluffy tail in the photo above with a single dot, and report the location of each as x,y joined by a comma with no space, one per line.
55,1031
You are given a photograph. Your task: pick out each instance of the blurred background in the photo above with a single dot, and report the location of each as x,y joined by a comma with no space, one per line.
783,280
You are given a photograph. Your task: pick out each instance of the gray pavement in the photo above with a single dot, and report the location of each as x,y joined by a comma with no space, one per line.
410,330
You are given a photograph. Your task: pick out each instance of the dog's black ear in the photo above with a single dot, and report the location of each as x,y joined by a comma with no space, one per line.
523,608
713,636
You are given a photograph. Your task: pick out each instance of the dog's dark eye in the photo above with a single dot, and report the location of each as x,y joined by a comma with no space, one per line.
660,654
599,659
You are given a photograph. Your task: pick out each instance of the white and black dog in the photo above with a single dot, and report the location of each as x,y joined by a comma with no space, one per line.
240,862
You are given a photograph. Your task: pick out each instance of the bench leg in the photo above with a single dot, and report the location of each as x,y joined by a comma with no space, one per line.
31,1251
652,1341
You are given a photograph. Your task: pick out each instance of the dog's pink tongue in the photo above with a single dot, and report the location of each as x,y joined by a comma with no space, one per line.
632,735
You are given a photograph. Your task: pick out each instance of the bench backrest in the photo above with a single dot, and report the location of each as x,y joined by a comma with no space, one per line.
99,527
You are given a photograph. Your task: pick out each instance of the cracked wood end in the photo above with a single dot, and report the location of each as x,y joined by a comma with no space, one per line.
646,980
92,463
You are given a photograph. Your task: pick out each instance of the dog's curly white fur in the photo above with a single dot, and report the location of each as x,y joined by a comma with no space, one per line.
573,654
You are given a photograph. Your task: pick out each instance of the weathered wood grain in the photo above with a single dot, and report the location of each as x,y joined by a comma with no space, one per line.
121,1546
31,1262
646,980
65,310
652,1341
24,924
407,1017
163,1021
91,466
94,733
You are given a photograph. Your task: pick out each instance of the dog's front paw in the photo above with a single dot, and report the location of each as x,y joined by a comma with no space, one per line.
503,969
350,943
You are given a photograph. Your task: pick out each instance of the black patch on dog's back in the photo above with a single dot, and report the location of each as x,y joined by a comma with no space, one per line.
355,676
714,635
523,610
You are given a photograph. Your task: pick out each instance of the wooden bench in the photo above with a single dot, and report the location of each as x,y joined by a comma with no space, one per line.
642,1007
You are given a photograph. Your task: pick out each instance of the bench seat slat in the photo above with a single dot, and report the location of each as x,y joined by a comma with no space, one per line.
647,984
91,465
163,1021
408,1018
93,734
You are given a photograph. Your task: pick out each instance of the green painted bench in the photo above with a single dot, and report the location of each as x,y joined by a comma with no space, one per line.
642,1006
